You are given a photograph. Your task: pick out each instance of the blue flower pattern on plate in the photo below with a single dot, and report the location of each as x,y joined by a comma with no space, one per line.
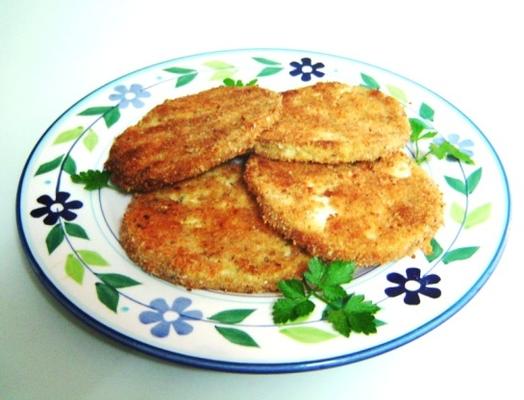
165,317
412,285
132,95
463,145
305,69
56,208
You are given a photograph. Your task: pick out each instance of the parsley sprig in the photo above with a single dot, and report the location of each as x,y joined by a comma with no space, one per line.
421,131
347,312
239,83
93,179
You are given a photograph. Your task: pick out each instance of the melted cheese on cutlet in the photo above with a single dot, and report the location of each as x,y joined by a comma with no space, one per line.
320,214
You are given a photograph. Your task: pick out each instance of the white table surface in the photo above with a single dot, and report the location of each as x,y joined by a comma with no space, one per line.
54,52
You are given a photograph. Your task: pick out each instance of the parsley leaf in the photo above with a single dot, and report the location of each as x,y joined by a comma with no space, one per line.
316,270
361,322
356,315
360,314
356,304
447,149
292,289
92,179
339,272
295,303
421,130
429,135
417,126
339,321
334,294
238,83
285,309
346,312
321,275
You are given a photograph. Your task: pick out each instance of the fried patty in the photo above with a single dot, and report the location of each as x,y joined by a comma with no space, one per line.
333,123
184,137
207,233
369,212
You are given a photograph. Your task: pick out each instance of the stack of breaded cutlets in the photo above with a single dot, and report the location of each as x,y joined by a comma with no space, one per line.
235,188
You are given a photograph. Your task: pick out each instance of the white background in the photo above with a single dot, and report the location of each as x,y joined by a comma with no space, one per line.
54,52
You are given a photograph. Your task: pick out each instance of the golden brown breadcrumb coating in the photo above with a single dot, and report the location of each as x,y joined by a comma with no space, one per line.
207,233
186,136
333,122
368,212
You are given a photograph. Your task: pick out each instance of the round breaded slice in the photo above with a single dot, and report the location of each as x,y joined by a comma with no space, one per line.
333,123
368,212
187,136
207,233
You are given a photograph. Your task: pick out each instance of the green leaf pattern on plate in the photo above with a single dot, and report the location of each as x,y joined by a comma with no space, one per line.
267,71
90,140
426,112
456,184
69,135
74,269
237,336
49,165
436,251
92,258
462,253
222,70
54,238
107,295
478,216
69,165
369,82
457,213
308,334
271,67
75,230
117,281
186,75
467,218
234,335
397,93
110,114
231,316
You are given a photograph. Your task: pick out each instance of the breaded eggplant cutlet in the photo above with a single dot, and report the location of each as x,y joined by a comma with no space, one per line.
333,123
369,212
186,136
207,233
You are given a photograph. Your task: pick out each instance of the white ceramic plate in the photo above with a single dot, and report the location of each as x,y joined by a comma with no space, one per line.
70,234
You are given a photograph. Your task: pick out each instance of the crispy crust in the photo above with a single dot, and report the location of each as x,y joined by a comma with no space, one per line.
369,212
207,233
334,123
184,137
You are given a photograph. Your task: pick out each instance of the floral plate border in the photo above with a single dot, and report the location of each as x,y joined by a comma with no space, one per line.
113,295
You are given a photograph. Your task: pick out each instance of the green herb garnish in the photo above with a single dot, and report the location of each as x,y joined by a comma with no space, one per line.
347,312
445,149
421,131
93,179
238,83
